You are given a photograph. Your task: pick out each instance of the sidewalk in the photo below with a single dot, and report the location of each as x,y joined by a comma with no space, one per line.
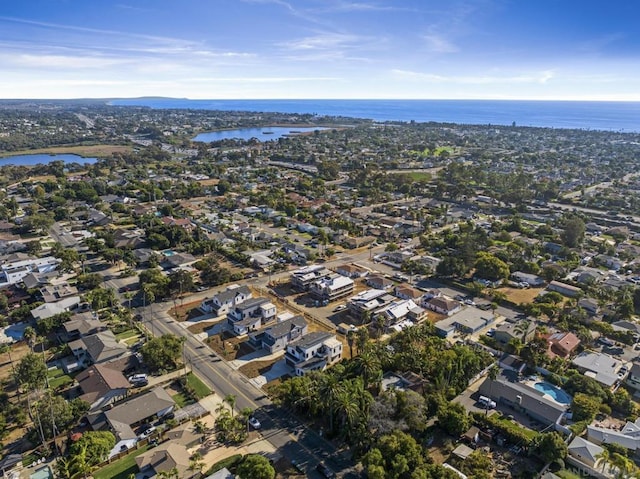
155,380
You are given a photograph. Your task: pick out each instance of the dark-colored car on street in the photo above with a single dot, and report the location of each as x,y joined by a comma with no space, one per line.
323,469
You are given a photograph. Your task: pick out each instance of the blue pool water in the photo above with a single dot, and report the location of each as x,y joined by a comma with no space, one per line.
44,473
168,252
556,393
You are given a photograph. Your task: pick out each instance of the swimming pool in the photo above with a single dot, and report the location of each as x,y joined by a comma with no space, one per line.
168,252
556,393
44,473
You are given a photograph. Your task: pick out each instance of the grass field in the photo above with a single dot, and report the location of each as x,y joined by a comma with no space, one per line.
181,399
81,150
58,378
198,386
417,175
122,468
129,333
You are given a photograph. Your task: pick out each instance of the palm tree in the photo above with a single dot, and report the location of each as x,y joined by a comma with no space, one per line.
368,366
347,410
230,399
350,341
30,336
603,458
493,375
195,462
329,389
623,464
170,474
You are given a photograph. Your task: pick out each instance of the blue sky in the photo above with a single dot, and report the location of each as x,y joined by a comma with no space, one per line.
244,49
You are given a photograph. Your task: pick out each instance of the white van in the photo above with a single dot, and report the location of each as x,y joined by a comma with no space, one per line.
486,403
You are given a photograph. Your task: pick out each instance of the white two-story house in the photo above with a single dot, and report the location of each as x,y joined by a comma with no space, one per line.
315,351
250,315
226,300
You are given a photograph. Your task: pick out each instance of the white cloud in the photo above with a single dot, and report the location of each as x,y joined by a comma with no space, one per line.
323,41
539,77
438,44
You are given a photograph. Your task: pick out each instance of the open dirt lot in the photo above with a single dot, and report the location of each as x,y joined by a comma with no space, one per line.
521,295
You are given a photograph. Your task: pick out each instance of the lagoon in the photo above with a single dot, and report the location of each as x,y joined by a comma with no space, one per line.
265,133
39,159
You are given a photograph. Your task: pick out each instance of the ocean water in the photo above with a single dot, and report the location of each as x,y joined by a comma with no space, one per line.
609,116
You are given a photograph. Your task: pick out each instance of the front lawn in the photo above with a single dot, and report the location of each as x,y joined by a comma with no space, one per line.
122,468
58,378
199,388
127,334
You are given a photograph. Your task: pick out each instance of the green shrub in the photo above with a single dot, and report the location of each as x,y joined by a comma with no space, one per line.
230,463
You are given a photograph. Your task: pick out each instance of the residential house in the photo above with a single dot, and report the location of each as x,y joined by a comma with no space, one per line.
523,330
443,305
185,434
561,344
143,255
48,310
397,311
379,282
627,437
37,280
585,451
430,293
97,218
610,262
182,222
226,300
97,348
14,267
165,458
633,380
531,279
588,276
590,305
250,315
223,473
331,288
81,325
315,351
141,408
352,271
53,293
367,302
404,291
276,337
467,321
564,289
302,278
599,366
178,260
629,327
524,399
128,239
102,386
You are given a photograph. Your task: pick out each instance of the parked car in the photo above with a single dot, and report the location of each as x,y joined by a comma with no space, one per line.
323,469
298,466
138,378
254,423
146,433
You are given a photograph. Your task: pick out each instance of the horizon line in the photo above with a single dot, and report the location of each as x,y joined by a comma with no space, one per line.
160,97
